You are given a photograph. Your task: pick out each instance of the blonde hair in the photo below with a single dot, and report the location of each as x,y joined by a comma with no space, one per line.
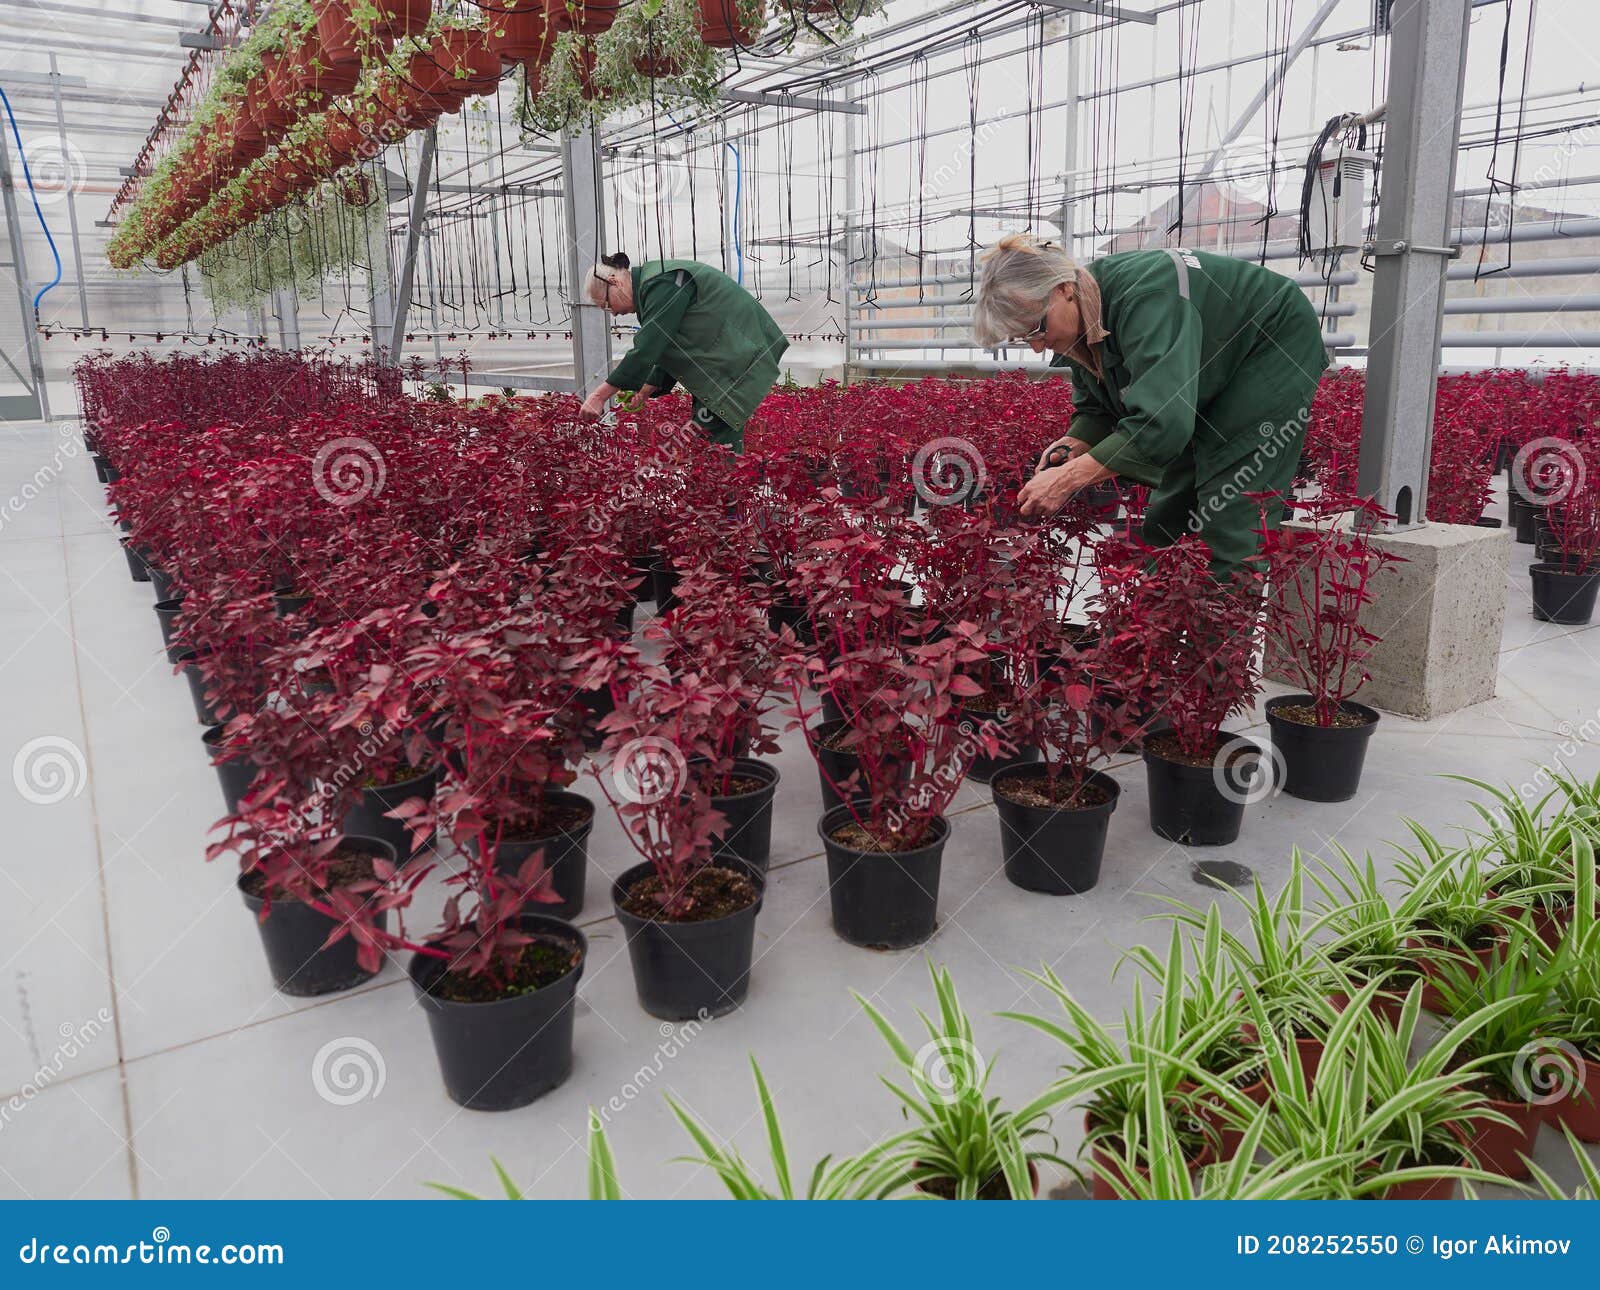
1019,273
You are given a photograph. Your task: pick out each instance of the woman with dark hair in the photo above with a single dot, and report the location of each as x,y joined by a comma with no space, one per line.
697,328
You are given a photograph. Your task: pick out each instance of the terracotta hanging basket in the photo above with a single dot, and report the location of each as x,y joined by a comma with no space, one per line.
526,36
583,17
720,26
400,18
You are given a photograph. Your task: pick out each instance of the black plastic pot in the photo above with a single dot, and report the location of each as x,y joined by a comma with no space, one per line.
597,703
664,579
203,711
1054,851
1563,597
1487,522
370,818
235,775
136,561
833,765
165,586
748,836
1526,518
983,768
625,618
102,468
1320,763
690,970
883,900
285,606
566,856
167,615
644,567
784,614
1186,804
293,936
502,1054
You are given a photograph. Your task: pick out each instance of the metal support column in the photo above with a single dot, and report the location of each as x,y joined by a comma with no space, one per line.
847,273
1427,64
408,259
36,402
1069,178
582,181
70,178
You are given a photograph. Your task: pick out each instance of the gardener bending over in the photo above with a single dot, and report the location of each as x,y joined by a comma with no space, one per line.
697,326
1191,372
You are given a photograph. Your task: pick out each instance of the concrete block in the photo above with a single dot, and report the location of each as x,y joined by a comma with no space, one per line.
1439,616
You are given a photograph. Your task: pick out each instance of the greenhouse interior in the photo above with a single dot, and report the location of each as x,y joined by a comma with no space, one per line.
585,581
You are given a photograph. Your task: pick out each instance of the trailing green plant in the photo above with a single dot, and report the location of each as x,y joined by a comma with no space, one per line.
961,1139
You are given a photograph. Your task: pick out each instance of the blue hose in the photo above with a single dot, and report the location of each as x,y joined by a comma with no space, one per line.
26,174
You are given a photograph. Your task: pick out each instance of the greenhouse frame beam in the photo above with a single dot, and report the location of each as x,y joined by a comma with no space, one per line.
1427,75
583,184
408,263
36,402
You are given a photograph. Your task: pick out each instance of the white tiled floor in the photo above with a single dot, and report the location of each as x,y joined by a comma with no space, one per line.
200,1080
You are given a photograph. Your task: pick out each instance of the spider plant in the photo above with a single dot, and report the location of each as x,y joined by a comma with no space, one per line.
1276,954
1577,989
1387,1120
1588,1175
1367,935
1535,854
960,1138
856,1177
1449,892
602,1172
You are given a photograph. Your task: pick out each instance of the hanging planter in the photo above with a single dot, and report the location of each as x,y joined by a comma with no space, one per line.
582,17
398,19
467,58
338,35
523,32
731,24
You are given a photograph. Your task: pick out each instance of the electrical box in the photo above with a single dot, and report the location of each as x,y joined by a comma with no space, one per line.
1337,212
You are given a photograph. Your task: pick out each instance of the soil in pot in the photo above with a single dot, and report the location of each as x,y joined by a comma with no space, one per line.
1048,844
293,934
994,1189
745,798
883,897
1187,805
1321,763
502,1045
1561,596
698,965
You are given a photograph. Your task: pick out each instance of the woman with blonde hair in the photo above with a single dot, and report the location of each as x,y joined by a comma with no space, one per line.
1191,372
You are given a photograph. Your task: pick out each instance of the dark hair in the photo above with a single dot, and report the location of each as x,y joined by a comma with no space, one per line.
617,260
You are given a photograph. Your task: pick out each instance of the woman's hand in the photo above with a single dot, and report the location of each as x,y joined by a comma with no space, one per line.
1074,447
1048,491
595,404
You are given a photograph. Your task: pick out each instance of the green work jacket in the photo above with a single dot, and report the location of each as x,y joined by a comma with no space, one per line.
725,347
1202,351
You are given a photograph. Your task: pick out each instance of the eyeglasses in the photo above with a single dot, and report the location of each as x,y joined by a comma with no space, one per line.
598,277
1044,321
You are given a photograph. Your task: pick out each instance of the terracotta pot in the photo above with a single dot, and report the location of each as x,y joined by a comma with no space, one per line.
1497,1146
1211,1116
1108,1171
585,17
719,25
1580,1109
526,35
337,34
469,61
399,18
1432,1000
